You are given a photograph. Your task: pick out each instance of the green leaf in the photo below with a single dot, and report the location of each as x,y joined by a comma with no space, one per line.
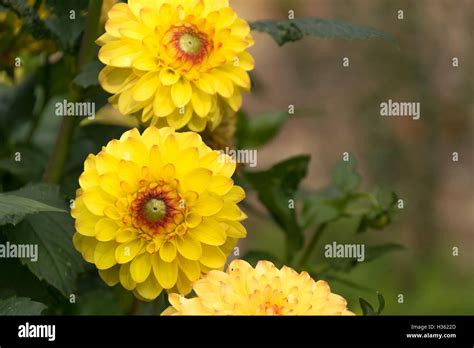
61,23
254,256
345,177
318,209
275,187
58,263
256,131
26,164
296,29
13,209
20,306
366,307
89,75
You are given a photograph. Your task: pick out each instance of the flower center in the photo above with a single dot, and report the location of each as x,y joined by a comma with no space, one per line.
154,210
190,43
186,46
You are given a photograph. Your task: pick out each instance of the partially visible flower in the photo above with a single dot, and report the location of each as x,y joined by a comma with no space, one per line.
176,62
263,290
156,211
222,136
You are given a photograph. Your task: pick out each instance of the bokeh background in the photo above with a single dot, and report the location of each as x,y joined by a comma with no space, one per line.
337,110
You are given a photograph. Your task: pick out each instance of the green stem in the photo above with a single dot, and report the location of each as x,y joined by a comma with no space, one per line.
57,161
312,244
88,47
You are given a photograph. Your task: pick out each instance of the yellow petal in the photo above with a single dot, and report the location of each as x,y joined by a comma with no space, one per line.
165,272
114,79
146,86
236,194
97,200
169,77
225,86
150,289
197,180
197,124
183,284
193,219
208,204
104,255
128,171
212,256
140,267
180,117
189,247
236,229
163,104
110,276
221,185
126,278
202,102
106,229
146,62
210,232
231,211
181,93
168,251
127,251
190,268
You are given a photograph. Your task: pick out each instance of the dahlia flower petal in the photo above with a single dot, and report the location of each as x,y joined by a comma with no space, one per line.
104,257
181,93
208,204
189,247
212,256
210,232
168,251
165,272
140,267
150,289
190,268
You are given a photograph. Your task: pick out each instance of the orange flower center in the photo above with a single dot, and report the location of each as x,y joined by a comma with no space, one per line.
187,44
157,209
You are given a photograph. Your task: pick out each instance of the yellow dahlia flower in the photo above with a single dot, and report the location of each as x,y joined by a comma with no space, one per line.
176,62
265,290
155,211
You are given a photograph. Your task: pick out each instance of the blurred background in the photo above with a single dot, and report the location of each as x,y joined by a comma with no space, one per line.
338,110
